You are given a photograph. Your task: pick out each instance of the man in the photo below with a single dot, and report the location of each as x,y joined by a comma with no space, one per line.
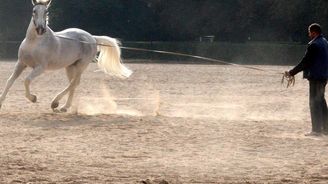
315,68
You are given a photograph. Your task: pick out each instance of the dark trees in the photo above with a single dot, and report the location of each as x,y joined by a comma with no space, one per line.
174,20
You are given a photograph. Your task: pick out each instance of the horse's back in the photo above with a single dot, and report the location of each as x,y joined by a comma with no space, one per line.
77,41
76,34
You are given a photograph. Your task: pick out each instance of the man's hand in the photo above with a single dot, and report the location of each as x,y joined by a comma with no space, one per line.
289,78
287,74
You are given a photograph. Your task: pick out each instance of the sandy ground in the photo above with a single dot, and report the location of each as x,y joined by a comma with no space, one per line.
166,124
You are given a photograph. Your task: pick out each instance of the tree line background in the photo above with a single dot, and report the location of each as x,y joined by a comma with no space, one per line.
174,20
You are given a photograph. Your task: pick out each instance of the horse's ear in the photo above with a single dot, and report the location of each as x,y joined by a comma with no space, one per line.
34,2
44,2
48,3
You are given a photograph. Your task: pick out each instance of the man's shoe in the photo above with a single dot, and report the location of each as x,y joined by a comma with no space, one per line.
313,134
325,132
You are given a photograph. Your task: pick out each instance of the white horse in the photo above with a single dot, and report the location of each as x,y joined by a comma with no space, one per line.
43,49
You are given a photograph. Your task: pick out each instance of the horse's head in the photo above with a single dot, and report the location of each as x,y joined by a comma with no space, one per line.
40,15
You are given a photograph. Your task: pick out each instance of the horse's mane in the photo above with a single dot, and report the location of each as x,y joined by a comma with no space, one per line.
47,20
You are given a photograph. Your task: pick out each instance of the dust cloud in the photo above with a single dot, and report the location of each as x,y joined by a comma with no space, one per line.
106,103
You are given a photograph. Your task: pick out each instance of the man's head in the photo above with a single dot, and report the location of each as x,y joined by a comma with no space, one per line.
314,30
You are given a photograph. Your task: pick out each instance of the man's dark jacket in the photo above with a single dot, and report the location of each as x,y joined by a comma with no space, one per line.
315,62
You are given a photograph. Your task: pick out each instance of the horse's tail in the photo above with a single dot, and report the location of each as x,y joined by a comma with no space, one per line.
109,59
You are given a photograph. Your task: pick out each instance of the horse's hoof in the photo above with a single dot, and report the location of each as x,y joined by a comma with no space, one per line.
33,99
55,110
54,105
63,110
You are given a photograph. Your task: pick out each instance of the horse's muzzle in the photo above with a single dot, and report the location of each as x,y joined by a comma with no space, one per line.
40,30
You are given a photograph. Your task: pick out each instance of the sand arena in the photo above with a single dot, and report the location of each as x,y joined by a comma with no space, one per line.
168,123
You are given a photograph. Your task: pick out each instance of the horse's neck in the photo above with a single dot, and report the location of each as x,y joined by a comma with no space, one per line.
31,33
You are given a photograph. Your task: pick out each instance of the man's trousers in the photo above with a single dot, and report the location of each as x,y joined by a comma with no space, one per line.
318,106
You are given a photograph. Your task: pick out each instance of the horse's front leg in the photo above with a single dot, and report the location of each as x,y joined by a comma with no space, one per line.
37,71
19,68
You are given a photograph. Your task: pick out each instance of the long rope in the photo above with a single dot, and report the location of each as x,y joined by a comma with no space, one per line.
192,56
171,53
290,80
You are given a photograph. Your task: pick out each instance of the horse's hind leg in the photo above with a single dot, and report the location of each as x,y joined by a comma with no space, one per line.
74,73
37,71
70,88
19,68
71,74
